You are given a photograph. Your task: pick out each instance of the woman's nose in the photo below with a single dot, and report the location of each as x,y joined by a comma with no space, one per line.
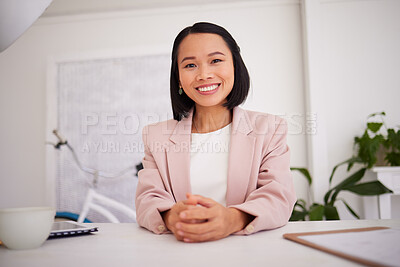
204,73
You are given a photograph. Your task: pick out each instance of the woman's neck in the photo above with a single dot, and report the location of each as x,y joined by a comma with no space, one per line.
210,119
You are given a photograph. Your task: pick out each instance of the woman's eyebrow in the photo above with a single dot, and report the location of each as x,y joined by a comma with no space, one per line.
216,53
210,55
187,58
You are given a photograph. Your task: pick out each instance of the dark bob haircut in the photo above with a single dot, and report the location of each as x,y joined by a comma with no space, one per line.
181,104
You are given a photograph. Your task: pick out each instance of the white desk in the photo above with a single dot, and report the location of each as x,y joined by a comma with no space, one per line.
118,245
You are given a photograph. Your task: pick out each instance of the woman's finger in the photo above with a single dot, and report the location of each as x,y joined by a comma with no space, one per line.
191,199
196,213
204,201
186,229
194,238
201,232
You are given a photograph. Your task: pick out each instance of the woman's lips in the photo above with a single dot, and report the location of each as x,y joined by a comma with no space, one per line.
208,89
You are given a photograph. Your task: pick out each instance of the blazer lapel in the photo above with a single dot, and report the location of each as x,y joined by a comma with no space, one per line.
178,157
240,157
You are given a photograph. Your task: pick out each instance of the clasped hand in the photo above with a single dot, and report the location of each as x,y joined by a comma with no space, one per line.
199,219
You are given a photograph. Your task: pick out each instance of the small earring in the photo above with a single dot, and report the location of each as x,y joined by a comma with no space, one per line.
180,92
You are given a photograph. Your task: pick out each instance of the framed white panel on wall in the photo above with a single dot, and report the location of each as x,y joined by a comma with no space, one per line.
100,102
316,143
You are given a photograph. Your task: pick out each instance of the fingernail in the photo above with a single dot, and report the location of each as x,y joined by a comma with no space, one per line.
182,215
178,225
186,239
180,233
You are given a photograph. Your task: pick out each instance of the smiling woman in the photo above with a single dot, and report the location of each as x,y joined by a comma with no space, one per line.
215,169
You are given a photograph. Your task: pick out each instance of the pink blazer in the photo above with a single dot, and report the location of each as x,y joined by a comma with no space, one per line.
259,177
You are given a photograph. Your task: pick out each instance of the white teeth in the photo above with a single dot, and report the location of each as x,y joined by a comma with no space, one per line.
208,88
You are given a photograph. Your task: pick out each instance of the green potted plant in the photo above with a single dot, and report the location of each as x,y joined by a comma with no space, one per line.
377,141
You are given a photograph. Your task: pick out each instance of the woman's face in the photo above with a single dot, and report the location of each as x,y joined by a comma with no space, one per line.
206,71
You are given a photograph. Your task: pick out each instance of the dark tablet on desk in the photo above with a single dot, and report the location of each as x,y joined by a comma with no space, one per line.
70,228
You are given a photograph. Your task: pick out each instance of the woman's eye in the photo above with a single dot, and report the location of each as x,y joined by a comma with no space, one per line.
216,60
190,66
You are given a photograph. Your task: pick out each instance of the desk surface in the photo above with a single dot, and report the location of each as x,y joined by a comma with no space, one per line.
129,245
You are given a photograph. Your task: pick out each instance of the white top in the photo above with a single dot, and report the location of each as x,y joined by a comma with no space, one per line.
209,154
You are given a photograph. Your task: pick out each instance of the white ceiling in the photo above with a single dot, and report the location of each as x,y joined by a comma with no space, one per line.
71,7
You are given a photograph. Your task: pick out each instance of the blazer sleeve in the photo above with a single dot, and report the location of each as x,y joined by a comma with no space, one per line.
151,196
272,202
